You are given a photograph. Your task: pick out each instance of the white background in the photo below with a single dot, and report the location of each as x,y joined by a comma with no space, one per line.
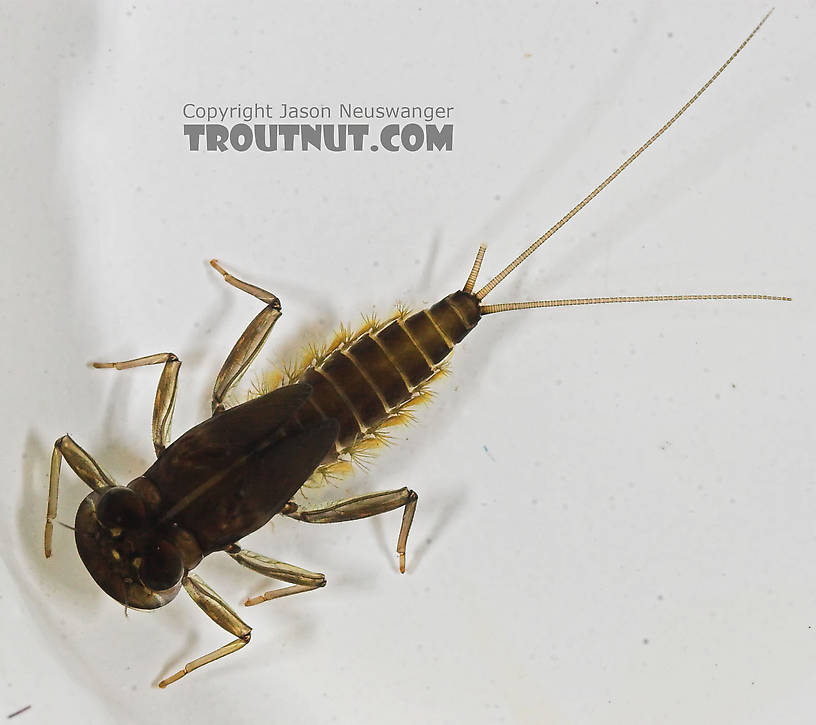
616,513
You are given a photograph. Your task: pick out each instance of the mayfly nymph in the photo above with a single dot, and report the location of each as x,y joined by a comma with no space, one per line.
231,474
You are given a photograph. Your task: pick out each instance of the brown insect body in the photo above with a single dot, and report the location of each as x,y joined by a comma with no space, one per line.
370,379
220,481
229,475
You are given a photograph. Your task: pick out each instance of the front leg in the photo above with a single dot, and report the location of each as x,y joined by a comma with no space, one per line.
165,393
361,507
250,342
84,466
222,614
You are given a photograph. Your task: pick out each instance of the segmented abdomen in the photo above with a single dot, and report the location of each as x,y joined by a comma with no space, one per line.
368,379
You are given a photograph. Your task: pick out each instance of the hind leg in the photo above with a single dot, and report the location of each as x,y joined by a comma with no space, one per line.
361,507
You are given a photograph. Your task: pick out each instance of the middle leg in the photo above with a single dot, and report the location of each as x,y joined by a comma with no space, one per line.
250,342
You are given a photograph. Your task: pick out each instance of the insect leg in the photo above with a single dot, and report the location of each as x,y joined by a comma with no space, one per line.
361,507
250,342
165,393
83,465
222,614
302,580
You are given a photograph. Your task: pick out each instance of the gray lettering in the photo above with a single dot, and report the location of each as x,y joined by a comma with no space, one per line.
217,136
241,137
194,131
288,131
387,135
439,139
329,131
260,137
310,136
412,136
358,132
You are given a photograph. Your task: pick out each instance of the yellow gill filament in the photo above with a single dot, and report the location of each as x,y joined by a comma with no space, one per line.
484,291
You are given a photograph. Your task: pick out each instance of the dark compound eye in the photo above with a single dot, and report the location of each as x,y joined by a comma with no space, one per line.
120,508
161,567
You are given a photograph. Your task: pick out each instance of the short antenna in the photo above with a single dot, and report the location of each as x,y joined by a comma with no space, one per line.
484,291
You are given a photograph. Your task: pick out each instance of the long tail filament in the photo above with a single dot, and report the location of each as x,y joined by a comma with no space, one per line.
484,291
488,309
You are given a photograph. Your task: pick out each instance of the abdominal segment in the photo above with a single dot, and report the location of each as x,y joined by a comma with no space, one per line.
374,378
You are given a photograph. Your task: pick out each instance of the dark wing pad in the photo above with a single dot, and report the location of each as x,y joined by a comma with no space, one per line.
257,487
214,444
